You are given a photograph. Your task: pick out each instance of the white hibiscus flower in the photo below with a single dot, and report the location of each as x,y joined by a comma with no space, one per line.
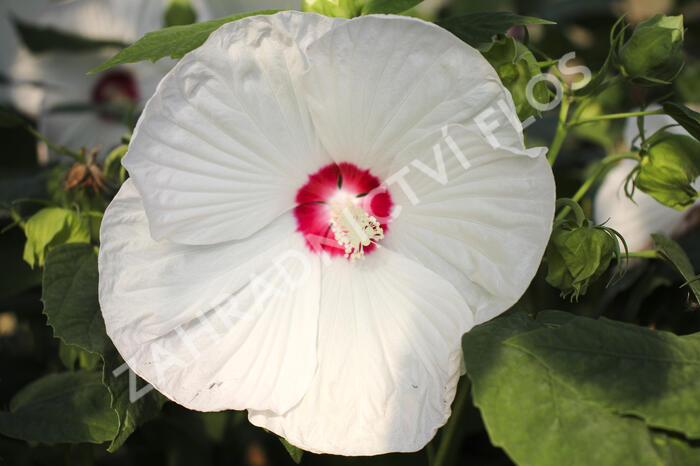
68,92
271,157
637,218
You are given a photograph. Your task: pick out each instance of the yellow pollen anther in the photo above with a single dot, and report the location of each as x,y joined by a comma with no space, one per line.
353,228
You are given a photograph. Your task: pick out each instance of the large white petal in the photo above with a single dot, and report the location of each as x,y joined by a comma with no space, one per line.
389,360
379,83
225,142
226,326
484,227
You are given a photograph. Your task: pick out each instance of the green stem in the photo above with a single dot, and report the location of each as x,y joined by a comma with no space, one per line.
545,64
450,429
614,116
561,133
600,169
650,254
58,149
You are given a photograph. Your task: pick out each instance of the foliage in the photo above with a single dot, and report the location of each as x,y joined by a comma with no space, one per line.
173,42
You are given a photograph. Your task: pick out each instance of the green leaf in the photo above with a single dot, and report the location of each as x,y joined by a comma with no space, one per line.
71,407
72,308
43,39
131,412
70,297
72,356
624,368
50,227
540,421
479,28
388,6
179,12
173,42
687,118
673,253
113,168
294,452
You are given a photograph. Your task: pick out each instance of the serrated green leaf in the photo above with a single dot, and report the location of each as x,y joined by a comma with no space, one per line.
479,28
540,421
70,298
295,453
132,413
373,7
72,308
50,227
687,118
624,368
44,39
72,356
173,42
673,253
71,407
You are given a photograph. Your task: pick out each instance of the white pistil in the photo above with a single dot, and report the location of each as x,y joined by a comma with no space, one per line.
353,228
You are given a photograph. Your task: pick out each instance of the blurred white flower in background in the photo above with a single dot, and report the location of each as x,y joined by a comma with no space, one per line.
70,108
26,70
637,220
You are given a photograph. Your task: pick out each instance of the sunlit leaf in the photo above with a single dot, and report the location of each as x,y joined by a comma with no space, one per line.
50,227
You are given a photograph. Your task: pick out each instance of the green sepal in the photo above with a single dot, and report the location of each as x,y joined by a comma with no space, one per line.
516,66
670,164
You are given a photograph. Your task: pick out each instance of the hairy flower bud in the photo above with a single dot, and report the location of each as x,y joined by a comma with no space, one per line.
654,55
669,167
578,255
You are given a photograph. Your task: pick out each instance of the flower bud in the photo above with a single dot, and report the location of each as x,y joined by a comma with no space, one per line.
179,12
654,55
334,8
669,167
577,256
516,65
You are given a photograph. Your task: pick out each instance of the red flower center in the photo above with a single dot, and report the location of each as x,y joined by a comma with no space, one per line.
115,88
343,210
